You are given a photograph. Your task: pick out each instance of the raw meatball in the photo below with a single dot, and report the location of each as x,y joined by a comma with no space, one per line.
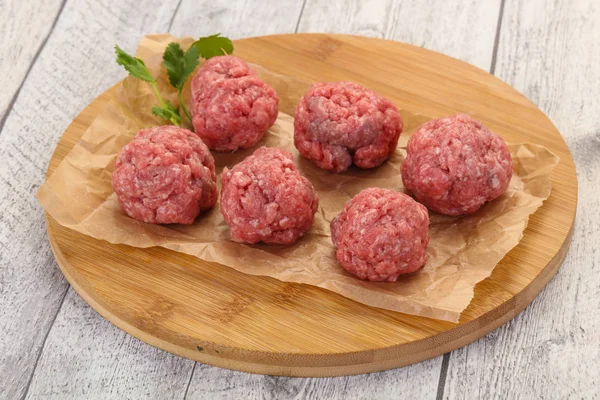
338,124
165,175
381,234
455,164
231,107
265,199
216,69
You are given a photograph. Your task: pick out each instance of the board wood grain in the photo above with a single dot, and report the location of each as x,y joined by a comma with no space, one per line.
215,315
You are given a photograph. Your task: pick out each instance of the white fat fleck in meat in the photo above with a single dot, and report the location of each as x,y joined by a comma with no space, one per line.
283,221
495,182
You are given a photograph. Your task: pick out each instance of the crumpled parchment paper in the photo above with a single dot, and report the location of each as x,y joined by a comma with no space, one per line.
462,251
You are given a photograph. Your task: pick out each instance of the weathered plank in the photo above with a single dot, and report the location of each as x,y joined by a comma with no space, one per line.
87,357
465,31
414,382
21,42
548,51
236,19
70,71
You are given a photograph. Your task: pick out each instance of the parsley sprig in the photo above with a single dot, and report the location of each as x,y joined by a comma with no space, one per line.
137,69
179,66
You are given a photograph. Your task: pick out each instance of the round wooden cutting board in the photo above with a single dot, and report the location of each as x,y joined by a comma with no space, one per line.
216,315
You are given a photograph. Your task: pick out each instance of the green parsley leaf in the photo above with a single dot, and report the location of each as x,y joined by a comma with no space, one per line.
173,62
133,65
179,65
137,69
168,112
190,62
215,45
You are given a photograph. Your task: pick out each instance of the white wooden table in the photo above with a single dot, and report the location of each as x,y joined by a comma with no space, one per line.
56,56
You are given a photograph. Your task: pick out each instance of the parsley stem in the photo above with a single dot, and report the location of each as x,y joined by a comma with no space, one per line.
161,101
185,110
157,93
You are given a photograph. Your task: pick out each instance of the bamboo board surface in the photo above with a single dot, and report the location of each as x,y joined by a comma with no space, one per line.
216,315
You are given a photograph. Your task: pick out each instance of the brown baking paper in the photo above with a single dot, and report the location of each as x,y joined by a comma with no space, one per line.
462,251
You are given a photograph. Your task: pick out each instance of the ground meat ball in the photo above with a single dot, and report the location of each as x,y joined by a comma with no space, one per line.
338,124
165,175
231,107
216,69
381,234
265,199
455,164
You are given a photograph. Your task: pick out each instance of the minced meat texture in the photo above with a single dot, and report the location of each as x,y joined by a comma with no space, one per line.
265,199
381,234
455,164
231,107
342,123
165,175
216,69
